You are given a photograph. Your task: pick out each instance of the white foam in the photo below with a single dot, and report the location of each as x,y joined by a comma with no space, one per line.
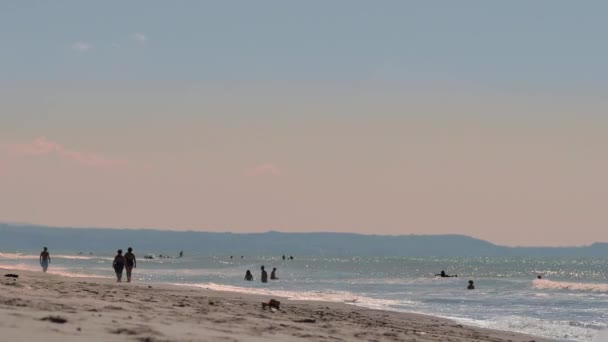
563,285
601,336
17,256
52,270
553,329
322,296
20,256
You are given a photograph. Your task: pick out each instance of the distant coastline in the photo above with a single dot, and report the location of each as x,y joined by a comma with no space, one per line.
32,237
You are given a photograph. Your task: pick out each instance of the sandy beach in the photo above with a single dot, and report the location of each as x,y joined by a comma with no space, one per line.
40,306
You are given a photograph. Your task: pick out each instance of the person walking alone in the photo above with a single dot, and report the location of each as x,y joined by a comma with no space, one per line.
45,259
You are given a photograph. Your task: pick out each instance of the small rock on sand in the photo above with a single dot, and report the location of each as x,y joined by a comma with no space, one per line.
54,319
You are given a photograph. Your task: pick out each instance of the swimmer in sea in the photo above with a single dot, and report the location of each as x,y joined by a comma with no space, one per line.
443,275
264,275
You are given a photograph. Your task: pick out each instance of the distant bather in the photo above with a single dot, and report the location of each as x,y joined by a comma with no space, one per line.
444,275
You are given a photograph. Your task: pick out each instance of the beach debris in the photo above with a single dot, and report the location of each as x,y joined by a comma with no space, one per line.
124,331
272,304
113,307
307,320
10,275
55,319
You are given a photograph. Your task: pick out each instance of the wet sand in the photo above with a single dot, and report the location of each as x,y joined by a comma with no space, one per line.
48,307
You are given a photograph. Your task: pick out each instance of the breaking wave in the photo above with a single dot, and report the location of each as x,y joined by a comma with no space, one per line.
545,284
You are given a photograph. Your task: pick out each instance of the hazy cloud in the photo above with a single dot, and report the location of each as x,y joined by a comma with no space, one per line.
139,37
43,147
82,46
265,169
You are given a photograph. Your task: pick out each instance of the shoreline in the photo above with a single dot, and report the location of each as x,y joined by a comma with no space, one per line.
101,309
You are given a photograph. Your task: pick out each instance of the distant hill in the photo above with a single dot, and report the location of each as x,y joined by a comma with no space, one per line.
31,238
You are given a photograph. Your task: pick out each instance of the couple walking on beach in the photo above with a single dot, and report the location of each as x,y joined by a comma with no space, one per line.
121,262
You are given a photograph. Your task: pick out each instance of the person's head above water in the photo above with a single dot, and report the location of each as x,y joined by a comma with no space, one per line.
119,251
539,277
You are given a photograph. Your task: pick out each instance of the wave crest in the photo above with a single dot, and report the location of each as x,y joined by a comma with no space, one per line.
564,285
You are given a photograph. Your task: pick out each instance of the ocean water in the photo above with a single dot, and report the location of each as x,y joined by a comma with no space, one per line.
570,303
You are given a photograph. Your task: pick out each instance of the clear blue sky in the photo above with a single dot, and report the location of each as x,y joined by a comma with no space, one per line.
543,45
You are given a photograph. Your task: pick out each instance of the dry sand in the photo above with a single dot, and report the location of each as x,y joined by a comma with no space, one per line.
34,306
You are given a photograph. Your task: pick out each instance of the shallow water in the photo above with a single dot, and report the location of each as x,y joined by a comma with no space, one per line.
569,303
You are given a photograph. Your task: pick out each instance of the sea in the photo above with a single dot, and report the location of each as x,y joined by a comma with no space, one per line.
569,303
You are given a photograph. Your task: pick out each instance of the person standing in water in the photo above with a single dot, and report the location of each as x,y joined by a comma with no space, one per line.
273,274
264,275
119,265
471,285
248,276
131,263
45,259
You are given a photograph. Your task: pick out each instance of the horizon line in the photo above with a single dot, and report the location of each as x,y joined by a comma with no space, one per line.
189,230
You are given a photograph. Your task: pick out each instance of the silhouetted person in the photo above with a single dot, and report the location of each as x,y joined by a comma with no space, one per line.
291,257
130,263
231,257
264,275
273,274
45,259
443,275
248,276
471,285
181,254
119,265
283,257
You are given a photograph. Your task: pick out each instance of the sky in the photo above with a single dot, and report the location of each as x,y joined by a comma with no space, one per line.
482,118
